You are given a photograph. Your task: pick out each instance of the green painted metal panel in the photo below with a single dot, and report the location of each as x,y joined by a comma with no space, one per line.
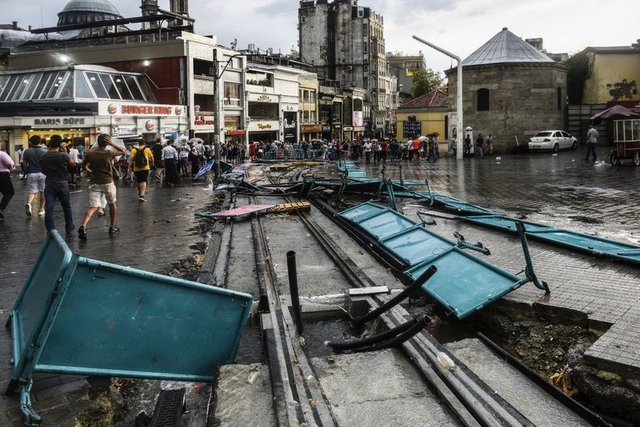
464,283
105,319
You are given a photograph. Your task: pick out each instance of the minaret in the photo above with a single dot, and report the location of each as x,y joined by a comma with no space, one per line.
149,8
181,7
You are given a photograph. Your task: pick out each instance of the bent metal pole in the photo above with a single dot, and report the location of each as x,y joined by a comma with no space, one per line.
459,110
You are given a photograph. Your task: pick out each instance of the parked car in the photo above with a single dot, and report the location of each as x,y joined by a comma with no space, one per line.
554,140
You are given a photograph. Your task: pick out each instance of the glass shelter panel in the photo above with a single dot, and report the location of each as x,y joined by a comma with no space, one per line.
82,89
11,88
41,91
98,87
3,84
133,87
121,85
54,85
110,86
31,88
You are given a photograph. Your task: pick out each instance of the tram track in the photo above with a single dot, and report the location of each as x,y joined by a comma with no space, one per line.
468,400
299,397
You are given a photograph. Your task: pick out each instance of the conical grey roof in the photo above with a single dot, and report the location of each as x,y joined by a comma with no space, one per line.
505,47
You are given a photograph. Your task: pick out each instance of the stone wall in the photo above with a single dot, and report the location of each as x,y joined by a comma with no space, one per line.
523,99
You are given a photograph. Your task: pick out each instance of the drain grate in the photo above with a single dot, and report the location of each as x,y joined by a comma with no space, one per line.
169,408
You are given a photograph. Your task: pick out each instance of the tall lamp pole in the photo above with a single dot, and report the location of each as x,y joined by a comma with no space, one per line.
216,107
216,113
459,121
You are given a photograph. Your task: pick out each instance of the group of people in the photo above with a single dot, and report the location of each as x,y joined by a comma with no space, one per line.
50,169
482,143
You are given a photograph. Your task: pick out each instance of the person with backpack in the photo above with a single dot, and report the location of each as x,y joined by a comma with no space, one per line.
141,162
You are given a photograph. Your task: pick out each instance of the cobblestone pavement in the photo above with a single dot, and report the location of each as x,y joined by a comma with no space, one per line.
154,234
563,190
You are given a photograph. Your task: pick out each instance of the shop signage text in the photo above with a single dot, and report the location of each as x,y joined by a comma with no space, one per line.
261,126
146,109
203,120
59,121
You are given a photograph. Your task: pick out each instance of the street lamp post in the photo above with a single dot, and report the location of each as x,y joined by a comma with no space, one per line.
216,106
459,121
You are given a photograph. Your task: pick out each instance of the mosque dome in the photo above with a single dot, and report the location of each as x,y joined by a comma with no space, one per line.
87,11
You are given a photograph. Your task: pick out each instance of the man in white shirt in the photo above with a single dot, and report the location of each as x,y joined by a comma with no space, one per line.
170,159
73,171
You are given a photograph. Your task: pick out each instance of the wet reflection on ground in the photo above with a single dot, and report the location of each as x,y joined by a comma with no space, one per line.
560,189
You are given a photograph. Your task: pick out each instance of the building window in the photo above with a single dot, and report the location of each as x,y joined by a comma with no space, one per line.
232,94
559,95
483,99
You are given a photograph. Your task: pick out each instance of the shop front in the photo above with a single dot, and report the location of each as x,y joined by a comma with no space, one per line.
203,128
263,130
311,132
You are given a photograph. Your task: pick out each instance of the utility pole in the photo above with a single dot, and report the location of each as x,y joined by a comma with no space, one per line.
216,113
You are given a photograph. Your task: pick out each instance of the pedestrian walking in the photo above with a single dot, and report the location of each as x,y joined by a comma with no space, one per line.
592,140
170,159
6,187
479,147
98,162
35,178
488,142
467,147
141,162
20,152
73,170
55,166
158,165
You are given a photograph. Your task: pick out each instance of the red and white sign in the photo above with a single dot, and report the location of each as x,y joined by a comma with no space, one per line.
131,109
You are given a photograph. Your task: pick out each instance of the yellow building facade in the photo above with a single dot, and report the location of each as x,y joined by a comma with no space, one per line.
425,115
614,75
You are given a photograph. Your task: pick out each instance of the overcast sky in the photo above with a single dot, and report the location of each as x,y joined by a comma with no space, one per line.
459,26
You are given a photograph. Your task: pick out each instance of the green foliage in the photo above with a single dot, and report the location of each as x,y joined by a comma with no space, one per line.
577,74
426,80
294,54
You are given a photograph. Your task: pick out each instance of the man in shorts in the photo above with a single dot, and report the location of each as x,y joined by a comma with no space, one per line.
141,162
35,177
98,162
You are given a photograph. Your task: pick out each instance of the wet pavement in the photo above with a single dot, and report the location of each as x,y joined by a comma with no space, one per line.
563,190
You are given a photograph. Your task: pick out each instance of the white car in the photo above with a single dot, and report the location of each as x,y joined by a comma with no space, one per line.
554,140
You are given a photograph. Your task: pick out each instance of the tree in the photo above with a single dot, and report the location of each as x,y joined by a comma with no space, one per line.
294,54
425,80
577,74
